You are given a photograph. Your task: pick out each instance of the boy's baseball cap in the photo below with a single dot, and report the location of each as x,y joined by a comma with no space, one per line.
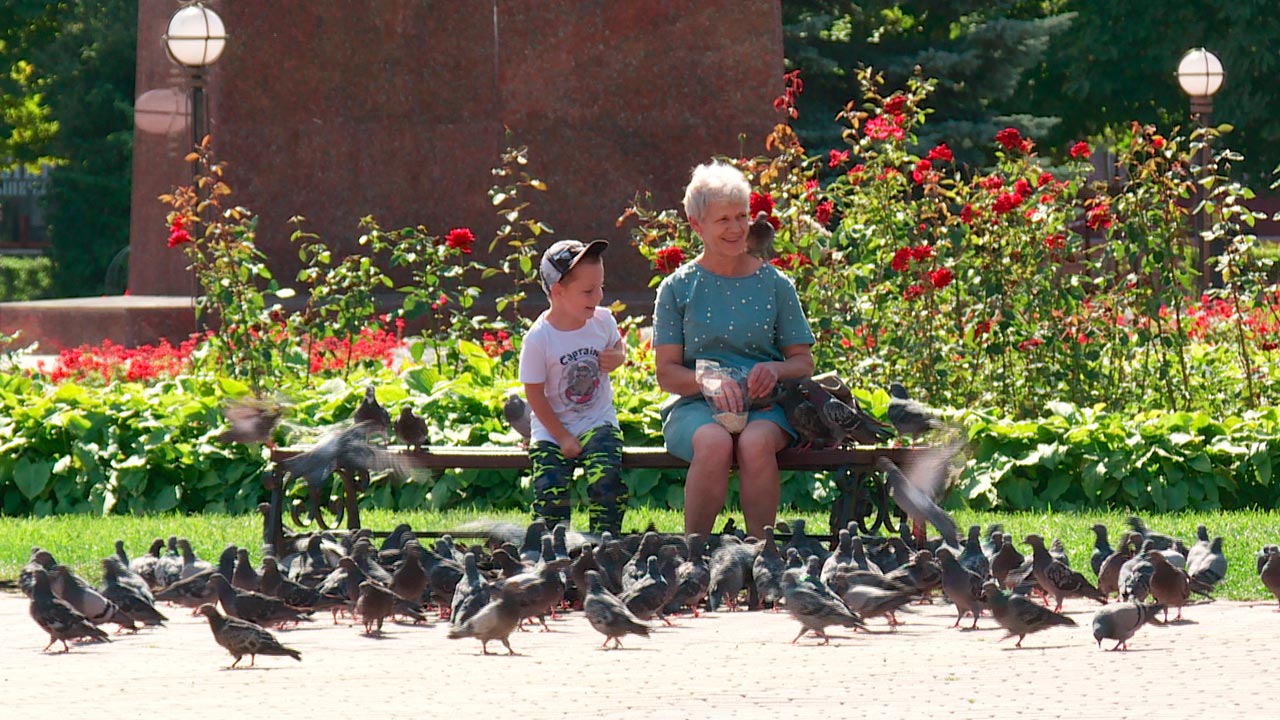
562,257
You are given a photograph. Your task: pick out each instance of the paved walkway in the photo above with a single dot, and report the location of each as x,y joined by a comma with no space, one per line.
1219,664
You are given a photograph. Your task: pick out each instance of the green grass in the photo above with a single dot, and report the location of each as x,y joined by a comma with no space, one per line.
81,541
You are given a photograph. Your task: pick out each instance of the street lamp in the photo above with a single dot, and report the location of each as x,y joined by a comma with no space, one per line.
1200,74
195,40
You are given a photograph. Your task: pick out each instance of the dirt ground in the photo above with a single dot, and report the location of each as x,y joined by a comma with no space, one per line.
740,665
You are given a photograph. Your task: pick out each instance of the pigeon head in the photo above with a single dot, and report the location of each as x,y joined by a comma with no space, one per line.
896,389
406,412
1100,529
1216,545
1034,540
370,394
209,611
1155,558
945,554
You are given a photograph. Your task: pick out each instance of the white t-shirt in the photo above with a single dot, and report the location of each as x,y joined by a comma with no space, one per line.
568,363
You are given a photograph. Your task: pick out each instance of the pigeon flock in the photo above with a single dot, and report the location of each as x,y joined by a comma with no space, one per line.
624,586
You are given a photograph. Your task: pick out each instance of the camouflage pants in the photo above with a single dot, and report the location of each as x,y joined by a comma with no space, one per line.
601,461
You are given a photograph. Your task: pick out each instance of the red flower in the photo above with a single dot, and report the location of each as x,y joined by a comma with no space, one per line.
941,153
895,105
1157,142
668,259
1030,343
968,215
1056,241
991,182
1099,217
460,239
1081,150
1010,138
941,277
855,173
901,260
1007,202
981,328
846,343
912,292
178,233
1044,179
920,253
836,157
922,171
822,213
761,203
1022,188
790,261
882,128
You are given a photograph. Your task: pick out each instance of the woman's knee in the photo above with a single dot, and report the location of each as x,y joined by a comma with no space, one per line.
760,441
713,445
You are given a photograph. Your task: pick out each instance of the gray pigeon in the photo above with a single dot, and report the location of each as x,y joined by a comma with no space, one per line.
1200,547
471,593
962,587
86,600
411,430
767,569
916,488
972,558
241,637
648,596
145,566
1263,554
1101,549
371,415
907,416
1209,568
1109,571
693,578
1270,573
1056,578
1170,585
609,615
1018,615
1119,622
518,415
127,596
730,569
346,448
869,601
375,604
760,236
56,617
1135,575
814,605
805,544
804,416
495,621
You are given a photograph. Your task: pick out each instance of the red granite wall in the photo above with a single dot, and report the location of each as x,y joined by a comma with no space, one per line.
334,109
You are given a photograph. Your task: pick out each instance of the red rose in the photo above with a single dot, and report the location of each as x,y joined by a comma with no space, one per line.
941,277
901,260
1099,217
822,213
1044,179
1007,202
761,203
912,292
1030,343
1010,138
881,128
1055,241
837,157
922,171
968,215
178,233
941,153
1022,188
920,253
668,259
991,182
1081,150
460,239
895,105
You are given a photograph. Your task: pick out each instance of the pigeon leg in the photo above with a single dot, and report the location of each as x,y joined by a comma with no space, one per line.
956,624
1179,613
803,630
976,615
544,623
1019,643
253,660
665,619
53,640
605,644
825,640
484,646
617,642
508,646
1120,645
237,662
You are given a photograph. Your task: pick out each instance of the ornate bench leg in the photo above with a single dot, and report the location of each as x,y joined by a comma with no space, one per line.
273,519
843,509
352,484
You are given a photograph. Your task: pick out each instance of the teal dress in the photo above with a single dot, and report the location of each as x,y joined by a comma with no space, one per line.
736,321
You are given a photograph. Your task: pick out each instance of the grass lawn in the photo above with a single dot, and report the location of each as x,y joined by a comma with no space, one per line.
81,541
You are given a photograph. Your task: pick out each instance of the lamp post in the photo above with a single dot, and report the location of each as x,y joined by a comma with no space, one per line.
195,39
1200,74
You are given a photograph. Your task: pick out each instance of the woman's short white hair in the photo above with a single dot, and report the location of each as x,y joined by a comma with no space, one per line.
714,182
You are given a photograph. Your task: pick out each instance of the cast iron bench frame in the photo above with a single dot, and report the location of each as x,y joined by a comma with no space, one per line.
862,490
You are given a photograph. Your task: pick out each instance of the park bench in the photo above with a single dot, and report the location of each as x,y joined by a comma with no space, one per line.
862,496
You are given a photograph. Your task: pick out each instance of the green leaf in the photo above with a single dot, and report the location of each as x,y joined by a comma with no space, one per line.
31,477
165,500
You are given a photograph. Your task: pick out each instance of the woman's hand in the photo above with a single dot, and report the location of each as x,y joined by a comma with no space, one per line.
761,380
730,398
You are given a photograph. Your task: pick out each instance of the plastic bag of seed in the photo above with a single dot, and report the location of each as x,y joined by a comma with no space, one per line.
716,381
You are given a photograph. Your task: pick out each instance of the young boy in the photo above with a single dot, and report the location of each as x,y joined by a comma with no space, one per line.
565,362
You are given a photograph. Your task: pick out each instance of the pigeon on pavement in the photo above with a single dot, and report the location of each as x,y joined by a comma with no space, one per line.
608,614
126,595
962,586
1170,585
1020,616
495,621
242,638
56,617
1056,578
1119,622
814,605
1101,549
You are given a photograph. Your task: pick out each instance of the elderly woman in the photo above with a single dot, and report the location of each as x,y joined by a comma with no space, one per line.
731,307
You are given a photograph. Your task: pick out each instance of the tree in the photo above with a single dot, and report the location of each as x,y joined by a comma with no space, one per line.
980,53
26,128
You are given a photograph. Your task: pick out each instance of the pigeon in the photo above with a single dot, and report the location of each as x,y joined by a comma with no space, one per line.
1209,569
693,578
242,638
760,236
254,607
1101,550
1158,541
1058,552
844,421
648,596
1018,615
192,565
637,568
916,487
145,566
410,580
814,605
907,416
862,562
372,416
962,586
767,569
252,421
1056,578
471,593
804,543
1135,575
519,416
168,569
495,621
1170,586
1200,547
292,593
804,416
86,600
842,558
1120,621
920,573
608,614
40,560
125,576
1109,571
245,577
56,617
1270,574
869,601
346,448
374,605
972,558
730,571
127,596
411,430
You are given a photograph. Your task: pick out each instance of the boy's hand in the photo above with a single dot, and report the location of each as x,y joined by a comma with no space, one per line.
570,447
612,358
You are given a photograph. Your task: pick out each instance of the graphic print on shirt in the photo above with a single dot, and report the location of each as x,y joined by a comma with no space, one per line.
580,378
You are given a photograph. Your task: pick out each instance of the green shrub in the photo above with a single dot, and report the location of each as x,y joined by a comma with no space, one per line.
25,277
